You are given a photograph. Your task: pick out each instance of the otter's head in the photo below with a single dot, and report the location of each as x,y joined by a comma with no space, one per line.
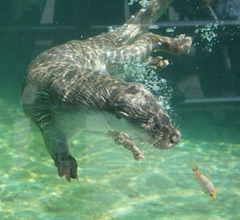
164,133
142,109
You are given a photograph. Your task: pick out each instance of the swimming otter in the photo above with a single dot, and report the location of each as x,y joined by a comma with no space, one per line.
73,82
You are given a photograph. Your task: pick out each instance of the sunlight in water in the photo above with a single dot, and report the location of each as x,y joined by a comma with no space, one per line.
111,184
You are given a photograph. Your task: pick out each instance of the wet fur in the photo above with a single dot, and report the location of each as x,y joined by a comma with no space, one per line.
67,84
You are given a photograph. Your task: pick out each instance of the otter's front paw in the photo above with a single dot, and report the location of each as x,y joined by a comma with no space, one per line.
123,139
68,167
156,63
137,154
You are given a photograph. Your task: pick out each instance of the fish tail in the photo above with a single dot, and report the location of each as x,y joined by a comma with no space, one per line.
189,159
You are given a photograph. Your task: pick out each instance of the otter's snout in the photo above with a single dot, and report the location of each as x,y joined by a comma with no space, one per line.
174,138
167,139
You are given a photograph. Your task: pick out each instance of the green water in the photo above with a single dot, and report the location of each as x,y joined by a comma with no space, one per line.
111,184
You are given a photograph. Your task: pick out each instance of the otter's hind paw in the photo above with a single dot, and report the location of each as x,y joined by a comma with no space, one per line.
182,44
68,167
175,46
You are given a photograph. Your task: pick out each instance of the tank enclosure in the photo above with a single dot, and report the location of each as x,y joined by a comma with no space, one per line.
200,90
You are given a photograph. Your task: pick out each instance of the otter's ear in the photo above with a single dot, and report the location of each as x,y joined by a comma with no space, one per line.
120,115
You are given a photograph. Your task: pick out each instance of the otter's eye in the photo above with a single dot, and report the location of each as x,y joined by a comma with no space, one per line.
155,127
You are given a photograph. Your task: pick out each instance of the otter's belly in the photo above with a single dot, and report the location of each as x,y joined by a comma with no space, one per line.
99,122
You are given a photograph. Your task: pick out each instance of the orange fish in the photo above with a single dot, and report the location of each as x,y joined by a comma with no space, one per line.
205,183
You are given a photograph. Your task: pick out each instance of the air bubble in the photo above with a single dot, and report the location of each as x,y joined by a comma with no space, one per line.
110,29
154,26
144,3
135,72
207,34
132,2
170,30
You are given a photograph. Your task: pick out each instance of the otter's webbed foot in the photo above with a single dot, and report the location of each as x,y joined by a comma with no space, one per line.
182,44
57,147
156,63
121,138
67,166
175,46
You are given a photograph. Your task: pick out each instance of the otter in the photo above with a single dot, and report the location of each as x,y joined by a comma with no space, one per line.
75,82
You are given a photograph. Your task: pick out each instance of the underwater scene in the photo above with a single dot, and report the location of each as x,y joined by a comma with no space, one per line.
165,150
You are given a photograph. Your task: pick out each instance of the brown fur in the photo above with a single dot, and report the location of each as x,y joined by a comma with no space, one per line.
75,79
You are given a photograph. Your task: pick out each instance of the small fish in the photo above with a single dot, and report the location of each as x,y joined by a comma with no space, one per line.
205,183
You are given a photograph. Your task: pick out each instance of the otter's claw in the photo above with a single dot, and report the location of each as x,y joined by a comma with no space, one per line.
68,167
